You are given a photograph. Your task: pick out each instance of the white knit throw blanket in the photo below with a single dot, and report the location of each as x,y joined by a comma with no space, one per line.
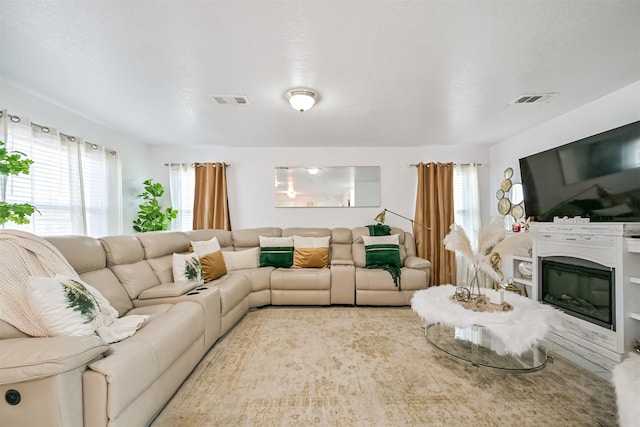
23,255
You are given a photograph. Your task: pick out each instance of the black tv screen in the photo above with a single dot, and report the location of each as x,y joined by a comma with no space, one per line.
596,177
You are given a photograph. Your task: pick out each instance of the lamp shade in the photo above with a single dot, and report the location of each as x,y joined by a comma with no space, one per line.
302,99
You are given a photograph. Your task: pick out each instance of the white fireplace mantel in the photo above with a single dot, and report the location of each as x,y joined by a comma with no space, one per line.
609,244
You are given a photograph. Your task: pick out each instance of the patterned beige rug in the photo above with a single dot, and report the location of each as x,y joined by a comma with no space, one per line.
344,366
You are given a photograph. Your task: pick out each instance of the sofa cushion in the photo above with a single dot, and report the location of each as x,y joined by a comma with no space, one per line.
233,289
187,268
122,249
133,365
276,251
250,238
301,279
84,253
213,266
239,260
108,285
162,267
135,277
380,280
160,243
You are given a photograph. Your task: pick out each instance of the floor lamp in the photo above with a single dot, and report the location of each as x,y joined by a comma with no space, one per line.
382,215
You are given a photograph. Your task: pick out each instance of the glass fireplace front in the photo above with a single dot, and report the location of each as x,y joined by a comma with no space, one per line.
581,288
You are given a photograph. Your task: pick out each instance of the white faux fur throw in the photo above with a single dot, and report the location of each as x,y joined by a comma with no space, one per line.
626,377
518,329
23,255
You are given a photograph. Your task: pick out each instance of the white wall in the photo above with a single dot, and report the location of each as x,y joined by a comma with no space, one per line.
252,175
251,180
133,154
610,111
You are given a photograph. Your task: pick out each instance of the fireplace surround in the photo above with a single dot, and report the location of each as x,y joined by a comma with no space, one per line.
592,273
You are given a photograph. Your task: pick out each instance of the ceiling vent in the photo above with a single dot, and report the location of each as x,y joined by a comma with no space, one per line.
230,99
533,98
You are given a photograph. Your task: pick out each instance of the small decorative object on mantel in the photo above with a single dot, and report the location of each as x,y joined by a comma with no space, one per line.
526,269
574,220
486,260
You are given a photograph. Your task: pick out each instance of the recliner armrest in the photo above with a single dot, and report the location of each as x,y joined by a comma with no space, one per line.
24,359
418,263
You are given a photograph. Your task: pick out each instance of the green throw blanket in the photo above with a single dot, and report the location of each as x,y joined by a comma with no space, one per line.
379,230
384,256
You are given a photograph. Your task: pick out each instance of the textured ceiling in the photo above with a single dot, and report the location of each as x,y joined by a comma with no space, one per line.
389,73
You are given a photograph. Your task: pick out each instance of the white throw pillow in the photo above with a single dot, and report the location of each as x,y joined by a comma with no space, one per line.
274,242
187,268
68,306
205,247
393,239
240,260
311,242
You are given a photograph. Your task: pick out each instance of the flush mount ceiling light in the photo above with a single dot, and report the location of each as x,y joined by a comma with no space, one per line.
302,99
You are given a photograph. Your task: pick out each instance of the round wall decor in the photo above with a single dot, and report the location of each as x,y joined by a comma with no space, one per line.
504,206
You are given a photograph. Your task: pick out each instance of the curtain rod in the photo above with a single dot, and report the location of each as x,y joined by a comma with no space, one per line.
195,164
47,129
414,165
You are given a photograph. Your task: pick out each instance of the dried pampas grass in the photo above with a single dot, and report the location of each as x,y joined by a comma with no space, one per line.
491,240
458,241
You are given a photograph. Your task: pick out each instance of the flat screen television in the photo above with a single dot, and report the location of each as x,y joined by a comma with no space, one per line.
596,177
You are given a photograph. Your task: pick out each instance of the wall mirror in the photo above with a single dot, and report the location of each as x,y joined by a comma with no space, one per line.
327,186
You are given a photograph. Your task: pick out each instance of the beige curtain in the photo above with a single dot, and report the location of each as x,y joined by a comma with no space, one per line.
210,202
434,208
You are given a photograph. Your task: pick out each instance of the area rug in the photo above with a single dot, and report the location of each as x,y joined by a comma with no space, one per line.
359,366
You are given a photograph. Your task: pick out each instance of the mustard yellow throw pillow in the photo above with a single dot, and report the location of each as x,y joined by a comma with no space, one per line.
213,266
310,257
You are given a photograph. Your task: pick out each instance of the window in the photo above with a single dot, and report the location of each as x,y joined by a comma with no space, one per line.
74,184
182,183
466,210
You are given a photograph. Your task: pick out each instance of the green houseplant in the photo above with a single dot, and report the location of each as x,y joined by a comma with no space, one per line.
14,163
151,216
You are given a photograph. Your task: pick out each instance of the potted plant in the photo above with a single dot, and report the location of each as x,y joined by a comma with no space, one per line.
151,216
13,163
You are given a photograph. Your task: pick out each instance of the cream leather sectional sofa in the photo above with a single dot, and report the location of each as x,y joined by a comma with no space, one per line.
74,381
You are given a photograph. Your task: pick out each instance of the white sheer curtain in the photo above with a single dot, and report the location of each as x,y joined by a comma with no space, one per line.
466,204
182,183
74,185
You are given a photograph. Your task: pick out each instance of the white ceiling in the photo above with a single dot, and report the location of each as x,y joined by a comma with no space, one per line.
389,73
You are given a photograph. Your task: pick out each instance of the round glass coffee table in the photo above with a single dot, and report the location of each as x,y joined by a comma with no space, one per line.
476,344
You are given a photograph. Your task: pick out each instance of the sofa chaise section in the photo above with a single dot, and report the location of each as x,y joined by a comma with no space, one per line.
172,341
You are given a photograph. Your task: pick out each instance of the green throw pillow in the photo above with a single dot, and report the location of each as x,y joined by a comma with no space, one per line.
384,252
276,251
